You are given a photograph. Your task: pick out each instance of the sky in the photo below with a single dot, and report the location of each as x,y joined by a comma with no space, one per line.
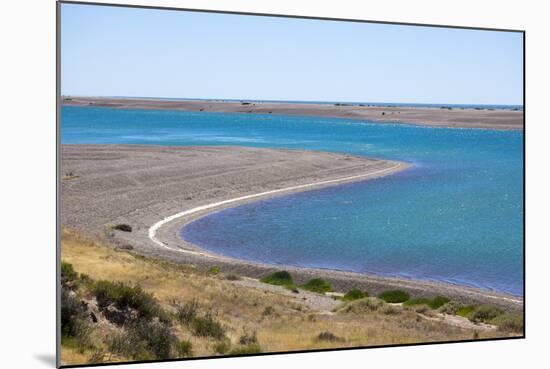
113,51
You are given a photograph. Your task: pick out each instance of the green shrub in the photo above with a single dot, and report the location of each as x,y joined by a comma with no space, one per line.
246,350
156,335
329,337
146,340
438,301
207,326
485,313
123,227
355,294
394,296
125,297
68,275
75,324
280,278
248,339
451,308
214,270
182,349
186,313
85,279
465,311
222,347
202,326
131,346
433,303
318,285
509,322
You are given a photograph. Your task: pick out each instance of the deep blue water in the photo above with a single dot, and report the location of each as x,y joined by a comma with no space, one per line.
456,215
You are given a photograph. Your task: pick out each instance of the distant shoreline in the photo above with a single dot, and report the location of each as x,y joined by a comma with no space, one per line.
452,117
142,185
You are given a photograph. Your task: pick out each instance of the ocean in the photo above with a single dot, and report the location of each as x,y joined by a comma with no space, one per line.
455,216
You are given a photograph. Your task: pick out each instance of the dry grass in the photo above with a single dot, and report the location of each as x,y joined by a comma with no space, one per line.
282,322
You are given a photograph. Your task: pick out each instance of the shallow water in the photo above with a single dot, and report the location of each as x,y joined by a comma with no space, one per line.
456,216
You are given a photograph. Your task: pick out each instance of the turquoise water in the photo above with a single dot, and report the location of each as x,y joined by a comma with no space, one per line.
455,216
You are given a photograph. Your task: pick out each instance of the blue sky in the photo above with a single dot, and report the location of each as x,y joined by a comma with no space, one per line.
110,51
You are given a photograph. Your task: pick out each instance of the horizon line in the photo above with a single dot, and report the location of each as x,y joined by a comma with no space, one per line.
288,101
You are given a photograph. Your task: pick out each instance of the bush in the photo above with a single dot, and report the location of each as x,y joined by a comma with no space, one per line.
366,305
182,349
355,294
509,322
147,340
329,337
394,296
484,313
438,301
214,270
465,311
318,285
123,227
248,339
222,347
68,275
124,298
246,350
74,319
121,343
202,326
207,326
451,308
232,277
156,335
280,278
433,303
186,313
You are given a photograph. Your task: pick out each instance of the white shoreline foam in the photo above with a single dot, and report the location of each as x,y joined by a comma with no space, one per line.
155,227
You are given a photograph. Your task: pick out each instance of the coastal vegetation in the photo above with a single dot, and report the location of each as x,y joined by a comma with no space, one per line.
433,303
394,296
354,294
318,285
280,278
284,279
120,306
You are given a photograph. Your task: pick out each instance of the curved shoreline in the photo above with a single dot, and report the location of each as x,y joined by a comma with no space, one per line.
255,269
139,185
214,206
180,220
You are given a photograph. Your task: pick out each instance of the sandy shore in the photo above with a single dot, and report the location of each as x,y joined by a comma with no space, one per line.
142,185
435,117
